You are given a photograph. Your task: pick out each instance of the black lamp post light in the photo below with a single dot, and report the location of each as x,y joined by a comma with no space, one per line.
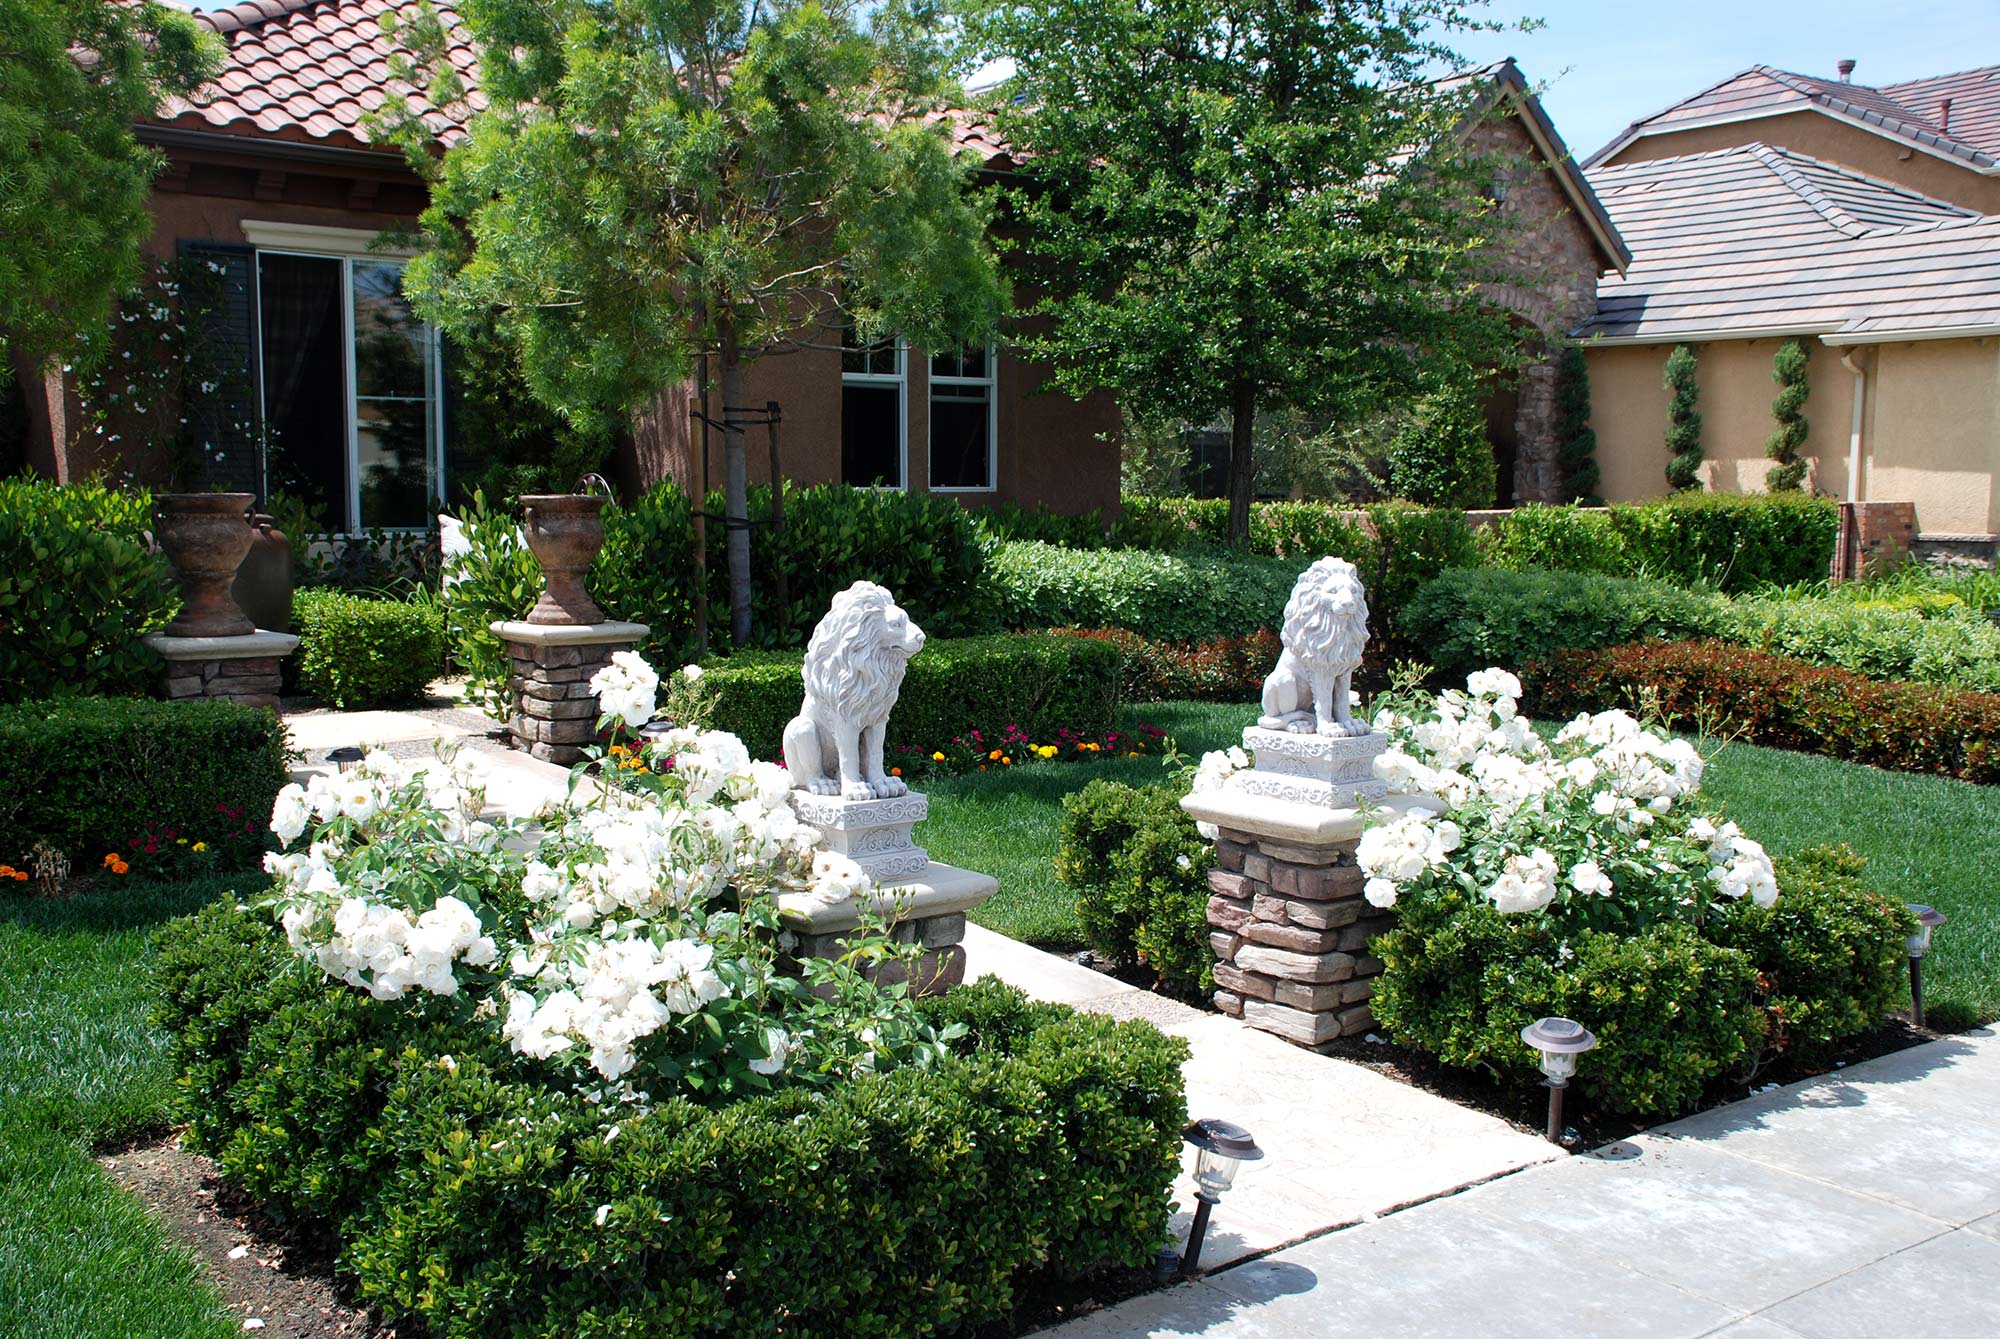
1221,1149
345,759
1560,1041
1918,945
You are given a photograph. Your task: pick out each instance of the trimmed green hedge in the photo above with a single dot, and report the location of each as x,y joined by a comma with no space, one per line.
1188,596
1472,618
1729,541
1039,683
1952,647
95,775
1139,869
359,652
77,589
471,1195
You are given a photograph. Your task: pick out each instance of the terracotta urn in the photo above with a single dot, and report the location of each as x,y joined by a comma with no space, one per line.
263,588
565,530
205,536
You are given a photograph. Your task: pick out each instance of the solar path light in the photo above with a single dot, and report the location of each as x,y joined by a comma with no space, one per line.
1221,1149
1560,1041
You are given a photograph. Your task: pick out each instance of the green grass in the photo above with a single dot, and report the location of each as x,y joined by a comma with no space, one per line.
1927,839
78,1256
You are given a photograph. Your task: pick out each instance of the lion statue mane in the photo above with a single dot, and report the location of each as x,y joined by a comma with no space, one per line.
853,671
1326,628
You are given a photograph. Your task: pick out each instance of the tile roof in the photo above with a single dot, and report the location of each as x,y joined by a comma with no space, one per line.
1892,110
1756,240
1974,117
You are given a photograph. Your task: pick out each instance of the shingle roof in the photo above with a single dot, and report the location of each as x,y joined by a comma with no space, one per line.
1763,90
1975,104
1756,240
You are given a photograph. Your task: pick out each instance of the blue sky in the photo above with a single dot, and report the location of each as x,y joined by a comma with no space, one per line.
1606,63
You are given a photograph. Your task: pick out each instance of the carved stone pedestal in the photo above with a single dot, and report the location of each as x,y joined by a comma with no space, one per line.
242,669
1287,920
1312,769
553,710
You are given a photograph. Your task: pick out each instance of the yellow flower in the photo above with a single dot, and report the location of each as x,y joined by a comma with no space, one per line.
200,847
1006,762
180,841
994,754
937,757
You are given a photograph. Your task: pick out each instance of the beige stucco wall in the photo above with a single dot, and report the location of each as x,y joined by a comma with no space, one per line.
1930,430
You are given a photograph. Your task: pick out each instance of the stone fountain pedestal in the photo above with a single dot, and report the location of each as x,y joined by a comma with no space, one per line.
554,712
924,900
243,668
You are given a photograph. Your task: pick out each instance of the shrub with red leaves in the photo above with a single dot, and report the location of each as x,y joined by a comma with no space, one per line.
1782,702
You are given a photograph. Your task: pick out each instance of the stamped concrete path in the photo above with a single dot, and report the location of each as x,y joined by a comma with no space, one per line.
1344,1143
1860,1205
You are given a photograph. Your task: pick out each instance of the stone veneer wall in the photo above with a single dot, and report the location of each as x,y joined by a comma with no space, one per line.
555,712
253,681
941,967
1290,931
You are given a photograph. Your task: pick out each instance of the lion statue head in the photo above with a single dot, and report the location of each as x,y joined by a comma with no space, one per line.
1326,618
855,661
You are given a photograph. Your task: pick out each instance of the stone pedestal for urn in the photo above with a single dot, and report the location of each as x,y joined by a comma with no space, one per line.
553,712
924,900
212,649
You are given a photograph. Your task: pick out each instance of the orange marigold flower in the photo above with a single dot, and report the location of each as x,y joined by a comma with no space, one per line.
895,771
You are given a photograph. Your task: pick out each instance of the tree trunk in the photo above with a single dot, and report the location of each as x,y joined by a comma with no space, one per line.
1242,457
735,485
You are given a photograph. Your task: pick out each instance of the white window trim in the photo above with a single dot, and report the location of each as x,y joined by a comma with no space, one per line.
318,240
900,379
434,357
991,381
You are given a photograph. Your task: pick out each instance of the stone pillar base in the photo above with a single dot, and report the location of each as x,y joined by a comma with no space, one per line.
1287,921
928,912
242,669
554,712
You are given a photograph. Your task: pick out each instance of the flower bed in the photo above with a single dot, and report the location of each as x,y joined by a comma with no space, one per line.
1776,700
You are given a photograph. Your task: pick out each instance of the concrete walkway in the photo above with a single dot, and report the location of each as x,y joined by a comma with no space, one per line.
1860,1205
1344,1143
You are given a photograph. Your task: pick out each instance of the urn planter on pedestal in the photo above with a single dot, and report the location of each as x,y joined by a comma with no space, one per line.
205,536
565,531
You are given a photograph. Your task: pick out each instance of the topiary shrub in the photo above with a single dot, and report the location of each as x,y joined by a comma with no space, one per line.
1576,441
1671,1010
358,652
78,588
1442,457
1038,683
1684,453
1467,619
1789,370
99,776
1829,954
1139,869
1192,595
1413,546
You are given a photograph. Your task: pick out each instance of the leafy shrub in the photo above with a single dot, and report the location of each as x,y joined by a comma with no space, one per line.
1039,684
469,1195
495,580
1829,954
1684,450
1556,539
97,775
1913,637
1192,595
1011,520
357,652
1576,440
1226,669
77,589
1442,457
1785,703
1491,616
1789,370
1670,1009
1413,546
1735,543
1139,869
1306,530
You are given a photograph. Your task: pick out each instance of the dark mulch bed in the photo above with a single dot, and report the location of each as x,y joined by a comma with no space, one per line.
278,1274
1587,1127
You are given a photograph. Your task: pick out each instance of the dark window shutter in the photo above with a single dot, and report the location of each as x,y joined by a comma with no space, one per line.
222,392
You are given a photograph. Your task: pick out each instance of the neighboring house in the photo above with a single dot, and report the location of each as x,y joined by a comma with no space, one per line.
271,176
1893,285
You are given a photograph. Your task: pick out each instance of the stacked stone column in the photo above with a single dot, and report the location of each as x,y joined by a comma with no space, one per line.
1290,931
553,711
245,668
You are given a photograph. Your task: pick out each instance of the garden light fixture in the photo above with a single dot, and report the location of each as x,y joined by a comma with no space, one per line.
1221,1149
1919,944
1560,1041
346,759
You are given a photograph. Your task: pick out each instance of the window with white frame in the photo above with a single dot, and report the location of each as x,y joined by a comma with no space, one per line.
874,411
964,421
350,379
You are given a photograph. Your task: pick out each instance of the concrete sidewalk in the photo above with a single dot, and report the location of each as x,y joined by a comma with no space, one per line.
1858,1205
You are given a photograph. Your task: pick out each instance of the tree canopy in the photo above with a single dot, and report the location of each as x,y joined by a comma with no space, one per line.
652,181
75,75
1240,204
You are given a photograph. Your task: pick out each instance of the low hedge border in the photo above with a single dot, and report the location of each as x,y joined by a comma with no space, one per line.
470,1194
1225,669
360,652
1039,683
1470,618
1782,702
90,776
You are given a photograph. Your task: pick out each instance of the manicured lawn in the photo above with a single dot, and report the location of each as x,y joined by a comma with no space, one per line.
78,1256
1927,839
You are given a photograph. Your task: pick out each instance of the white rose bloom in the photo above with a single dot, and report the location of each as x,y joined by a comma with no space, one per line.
692,673
289,813
1587,877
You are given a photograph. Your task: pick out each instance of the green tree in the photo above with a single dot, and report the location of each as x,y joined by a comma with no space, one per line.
654,181
1235,205
1789,370
1683,421
75,75
1441,457
1576,440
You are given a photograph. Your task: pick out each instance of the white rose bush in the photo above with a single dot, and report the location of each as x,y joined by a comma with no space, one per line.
1603,828
632,941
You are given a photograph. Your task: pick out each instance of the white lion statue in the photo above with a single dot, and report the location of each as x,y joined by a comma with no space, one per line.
1326,627
854,669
